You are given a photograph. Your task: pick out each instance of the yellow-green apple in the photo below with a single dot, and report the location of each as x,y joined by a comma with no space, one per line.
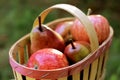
47,59
100,24
76,51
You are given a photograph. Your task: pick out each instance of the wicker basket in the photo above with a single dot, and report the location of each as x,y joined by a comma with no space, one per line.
91,67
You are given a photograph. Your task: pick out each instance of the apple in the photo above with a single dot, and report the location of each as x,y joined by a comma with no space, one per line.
47,59
76,51
86,44
63,28
100,24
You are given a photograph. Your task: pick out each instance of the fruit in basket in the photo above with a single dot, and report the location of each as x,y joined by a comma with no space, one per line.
100,24
76,51
47,59
86,44
63,29
44,37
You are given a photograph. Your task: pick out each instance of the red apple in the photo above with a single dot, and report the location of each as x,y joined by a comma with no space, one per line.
100,24
76,51
46,59
63,29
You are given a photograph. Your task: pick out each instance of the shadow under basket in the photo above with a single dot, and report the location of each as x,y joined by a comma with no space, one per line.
91,67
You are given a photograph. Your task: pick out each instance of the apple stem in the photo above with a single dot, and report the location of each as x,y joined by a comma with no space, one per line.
35,67
73,46
89,12
40,26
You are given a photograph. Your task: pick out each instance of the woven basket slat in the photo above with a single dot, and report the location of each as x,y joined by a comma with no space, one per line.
19,76
21,55
64,78
28,50
76,76
93,72
15,76
86,72
28,78
102,76
105,61
99,66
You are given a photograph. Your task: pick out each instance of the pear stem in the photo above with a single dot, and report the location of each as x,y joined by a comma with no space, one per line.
89,12
40,26
71,42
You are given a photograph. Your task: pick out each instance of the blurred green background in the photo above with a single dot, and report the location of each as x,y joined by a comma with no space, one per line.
17,16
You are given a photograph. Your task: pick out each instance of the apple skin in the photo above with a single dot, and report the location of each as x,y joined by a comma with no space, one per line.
100,24
77,54
63,29
47,59
47,38
86,44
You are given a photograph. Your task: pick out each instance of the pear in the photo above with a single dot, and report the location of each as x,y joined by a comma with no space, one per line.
42,36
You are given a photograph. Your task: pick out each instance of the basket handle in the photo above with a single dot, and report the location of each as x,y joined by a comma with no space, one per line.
78,14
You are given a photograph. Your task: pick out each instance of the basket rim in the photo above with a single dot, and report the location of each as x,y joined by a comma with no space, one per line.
69,69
